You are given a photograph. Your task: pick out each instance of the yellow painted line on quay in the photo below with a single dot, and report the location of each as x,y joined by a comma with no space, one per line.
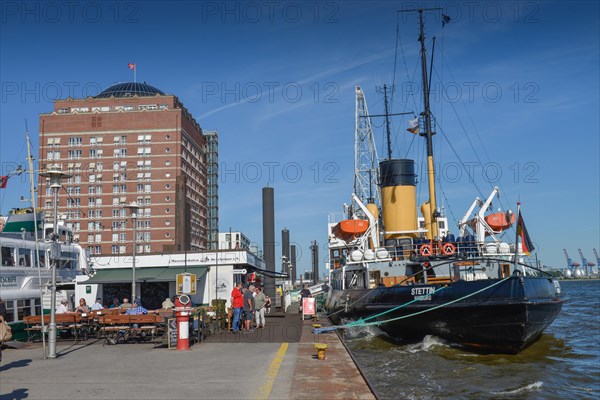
265,388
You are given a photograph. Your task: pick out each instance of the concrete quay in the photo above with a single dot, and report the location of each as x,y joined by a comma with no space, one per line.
278,362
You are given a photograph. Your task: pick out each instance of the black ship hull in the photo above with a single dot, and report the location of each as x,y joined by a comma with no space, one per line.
505,318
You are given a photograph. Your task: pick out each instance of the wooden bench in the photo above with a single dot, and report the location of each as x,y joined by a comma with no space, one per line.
71,322
121,328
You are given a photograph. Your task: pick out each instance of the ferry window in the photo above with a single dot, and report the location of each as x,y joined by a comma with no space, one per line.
23,309
42,256
10,311
8,259
25,257
38,307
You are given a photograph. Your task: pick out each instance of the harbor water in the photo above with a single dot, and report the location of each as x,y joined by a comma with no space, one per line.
563,364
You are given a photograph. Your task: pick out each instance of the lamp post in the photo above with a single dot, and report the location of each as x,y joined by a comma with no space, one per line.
133,208
287,267
54,176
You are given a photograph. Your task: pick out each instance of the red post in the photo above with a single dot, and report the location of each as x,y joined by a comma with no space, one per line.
183,322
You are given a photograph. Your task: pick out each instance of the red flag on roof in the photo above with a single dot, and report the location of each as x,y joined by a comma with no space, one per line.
131,65
525,239
3,181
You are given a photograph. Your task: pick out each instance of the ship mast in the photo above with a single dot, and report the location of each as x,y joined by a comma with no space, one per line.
431,208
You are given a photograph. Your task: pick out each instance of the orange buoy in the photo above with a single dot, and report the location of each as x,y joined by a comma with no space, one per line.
500,221
426,250
448,249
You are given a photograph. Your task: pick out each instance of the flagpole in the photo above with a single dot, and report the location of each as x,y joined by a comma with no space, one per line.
517,237
32,192
134,73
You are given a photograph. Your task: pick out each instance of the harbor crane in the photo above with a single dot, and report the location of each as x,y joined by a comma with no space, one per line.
587,265
570,263
597,259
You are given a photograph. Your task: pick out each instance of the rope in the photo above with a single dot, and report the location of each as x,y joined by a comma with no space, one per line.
376,323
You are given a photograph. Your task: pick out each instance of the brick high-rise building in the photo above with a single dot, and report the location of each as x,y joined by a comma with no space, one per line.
129,143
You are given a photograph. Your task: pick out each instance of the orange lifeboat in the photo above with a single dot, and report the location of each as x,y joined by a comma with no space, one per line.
350,228
500,221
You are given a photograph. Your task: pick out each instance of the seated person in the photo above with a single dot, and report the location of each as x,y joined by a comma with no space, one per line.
82,307
115,303
137,308
167,304
97,306
63,308
126,304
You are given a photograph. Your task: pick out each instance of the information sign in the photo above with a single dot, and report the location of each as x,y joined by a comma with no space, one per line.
186,284
308,306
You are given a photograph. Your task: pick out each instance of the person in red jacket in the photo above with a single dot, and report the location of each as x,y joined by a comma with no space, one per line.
237,303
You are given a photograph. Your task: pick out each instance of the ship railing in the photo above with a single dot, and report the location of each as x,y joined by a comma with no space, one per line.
421,248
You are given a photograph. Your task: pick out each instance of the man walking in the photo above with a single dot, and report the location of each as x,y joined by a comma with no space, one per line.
237,303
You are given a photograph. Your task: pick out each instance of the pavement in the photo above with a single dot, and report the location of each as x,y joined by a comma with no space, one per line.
278,362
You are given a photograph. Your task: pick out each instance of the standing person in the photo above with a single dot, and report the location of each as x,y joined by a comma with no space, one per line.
126,304
305,292
268,304
2,319
249,307
259,303
2,309
97,306
237,303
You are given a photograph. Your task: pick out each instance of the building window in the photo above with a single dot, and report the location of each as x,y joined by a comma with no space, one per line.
54,155
96,122
120,153
74,141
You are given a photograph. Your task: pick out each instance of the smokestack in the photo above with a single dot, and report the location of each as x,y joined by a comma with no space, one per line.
285,250
268,204
293,262
315,261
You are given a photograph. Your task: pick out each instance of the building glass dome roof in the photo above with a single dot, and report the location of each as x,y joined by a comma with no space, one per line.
129,89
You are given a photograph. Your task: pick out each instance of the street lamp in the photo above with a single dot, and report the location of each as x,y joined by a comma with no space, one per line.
287,267
133,208
54,177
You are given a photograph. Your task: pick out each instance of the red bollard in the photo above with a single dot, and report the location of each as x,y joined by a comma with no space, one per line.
183,322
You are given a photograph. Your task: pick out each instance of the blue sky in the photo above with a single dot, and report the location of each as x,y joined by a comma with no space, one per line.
516,81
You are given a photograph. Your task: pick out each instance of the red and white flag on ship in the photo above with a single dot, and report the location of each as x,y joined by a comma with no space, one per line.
3,181
131,66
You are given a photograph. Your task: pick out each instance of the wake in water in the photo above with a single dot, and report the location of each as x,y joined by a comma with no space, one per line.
526,388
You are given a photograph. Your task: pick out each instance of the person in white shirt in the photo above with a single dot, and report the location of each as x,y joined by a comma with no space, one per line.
97,305
63,308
